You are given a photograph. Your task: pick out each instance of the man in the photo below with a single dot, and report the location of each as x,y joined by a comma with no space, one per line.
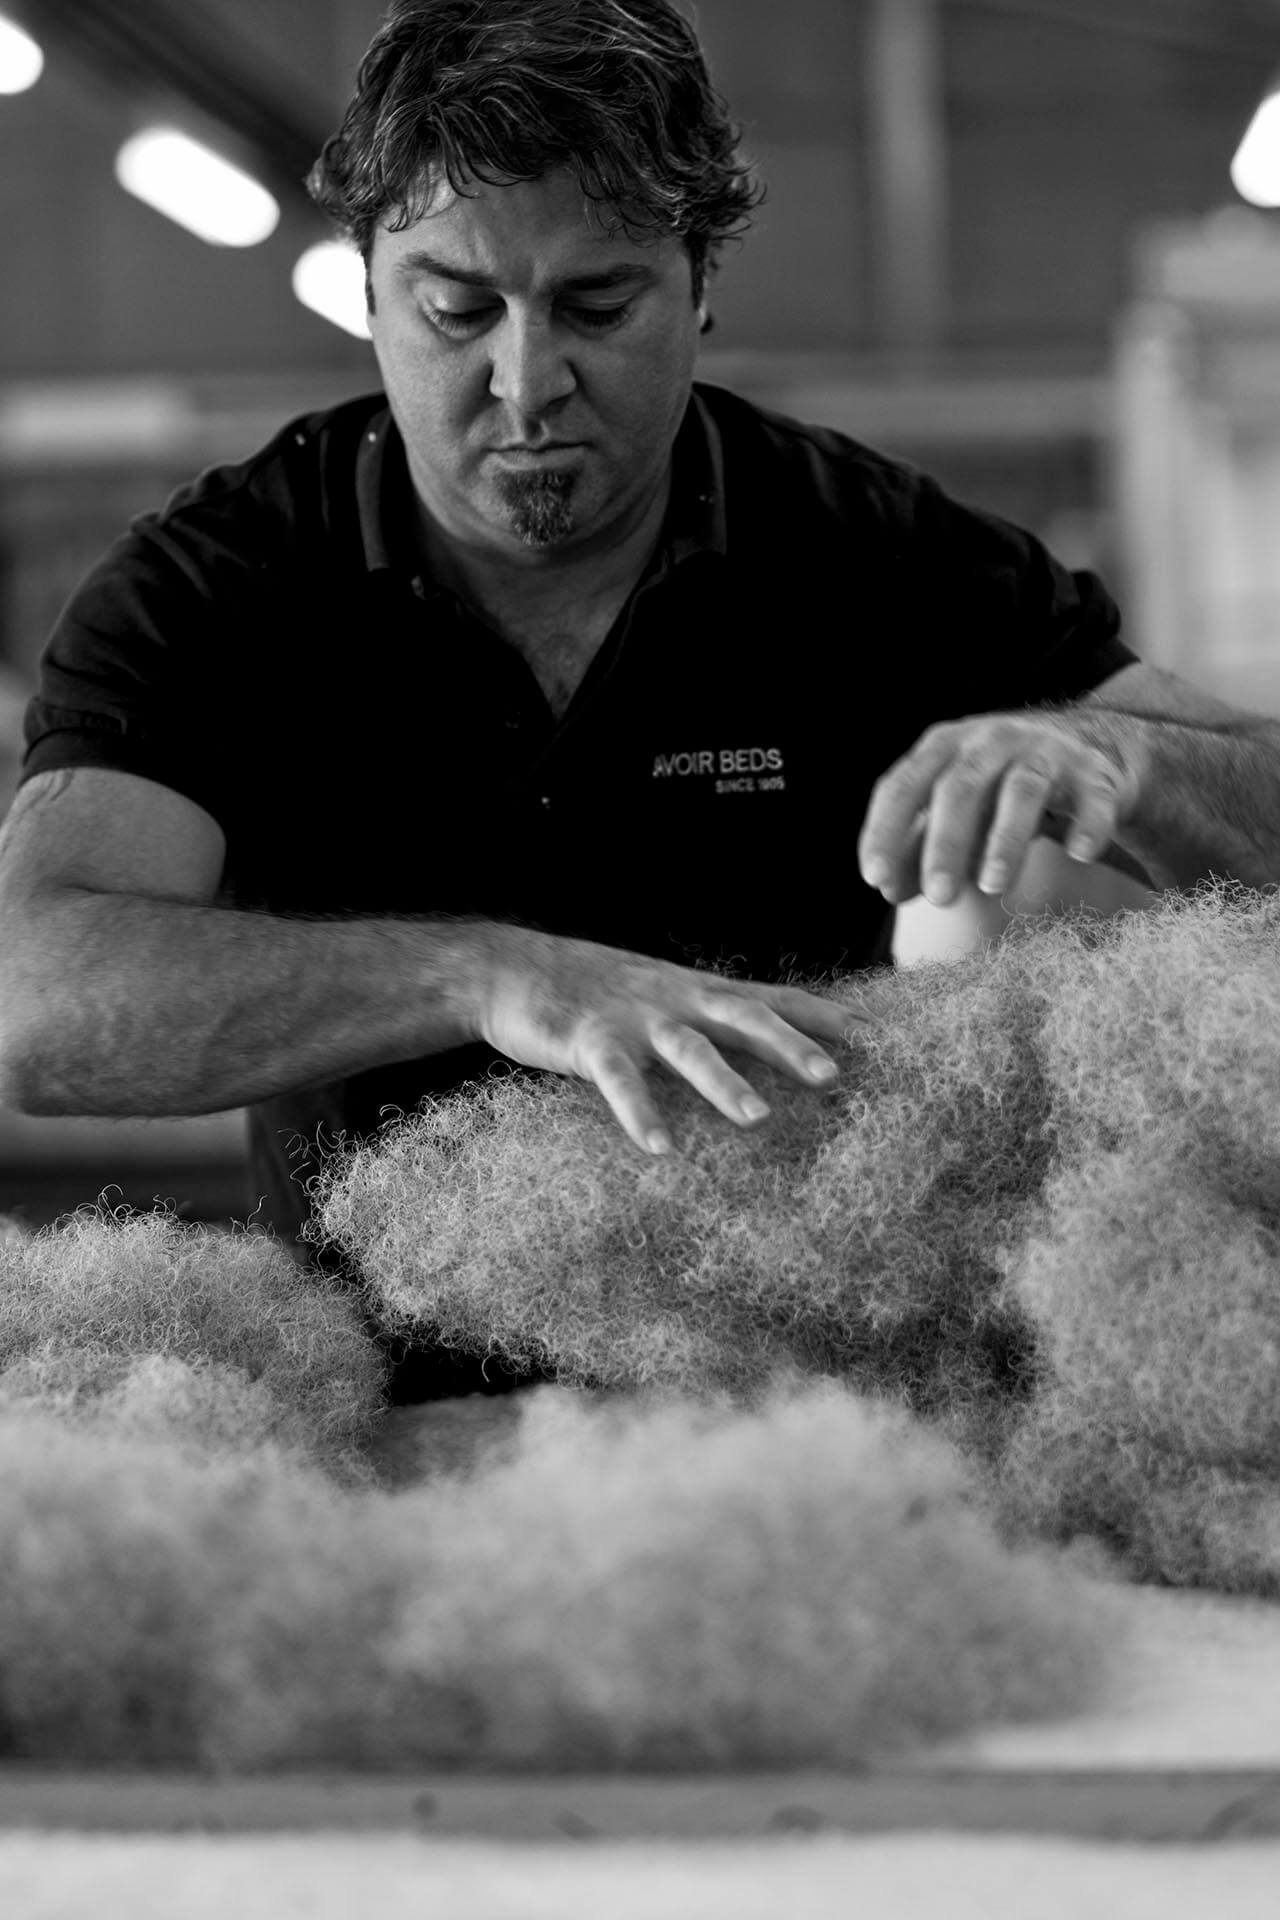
545,712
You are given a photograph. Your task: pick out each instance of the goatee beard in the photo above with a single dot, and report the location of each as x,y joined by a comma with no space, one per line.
538,504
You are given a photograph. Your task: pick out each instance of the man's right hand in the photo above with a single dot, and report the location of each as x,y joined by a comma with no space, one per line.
607,1016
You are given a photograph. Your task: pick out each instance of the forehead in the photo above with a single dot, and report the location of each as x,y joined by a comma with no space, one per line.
522,234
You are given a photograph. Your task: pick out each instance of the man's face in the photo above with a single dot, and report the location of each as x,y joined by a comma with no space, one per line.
537,368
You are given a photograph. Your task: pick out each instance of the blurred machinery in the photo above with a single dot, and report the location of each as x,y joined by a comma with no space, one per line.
1197,454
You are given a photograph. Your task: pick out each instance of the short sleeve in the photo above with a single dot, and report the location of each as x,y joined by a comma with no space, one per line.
128,678
1009,625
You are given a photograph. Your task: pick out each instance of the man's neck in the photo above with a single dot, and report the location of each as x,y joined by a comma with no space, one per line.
555,610
570,581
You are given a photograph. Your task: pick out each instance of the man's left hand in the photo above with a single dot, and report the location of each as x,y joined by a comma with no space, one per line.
968,800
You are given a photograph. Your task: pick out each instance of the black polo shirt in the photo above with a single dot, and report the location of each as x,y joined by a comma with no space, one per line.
269,645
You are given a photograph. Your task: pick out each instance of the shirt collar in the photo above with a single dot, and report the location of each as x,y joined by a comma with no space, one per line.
695,521
383,497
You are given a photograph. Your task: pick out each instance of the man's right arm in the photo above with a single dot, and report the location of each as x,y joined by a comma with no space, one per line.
127,989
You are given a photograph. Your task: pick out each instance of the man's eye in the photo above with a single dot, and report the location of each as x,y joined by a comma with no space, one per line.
600,319
458,322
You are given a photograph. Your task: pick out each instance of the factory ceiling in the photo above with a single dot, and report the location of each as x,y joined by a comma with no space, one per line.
168,52
1243,29
162,51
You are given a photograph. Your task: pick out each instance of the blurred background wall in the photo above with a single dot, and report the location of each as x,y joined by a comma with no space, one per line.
1001,240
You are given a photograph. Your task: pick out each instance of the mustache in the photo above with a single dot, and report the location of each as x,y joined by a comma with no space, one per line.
528,486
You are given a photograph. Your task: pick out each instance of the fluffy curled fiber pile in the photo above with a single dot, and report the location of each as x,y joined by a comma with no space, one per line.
663,1587
135,1323
1040,1208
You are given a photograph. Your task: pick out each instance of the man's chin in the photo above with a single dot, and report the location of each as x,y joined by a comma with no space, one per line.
538,507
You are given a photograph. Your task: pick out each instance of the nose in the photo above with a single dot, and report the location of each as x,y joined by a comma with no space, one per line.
530,367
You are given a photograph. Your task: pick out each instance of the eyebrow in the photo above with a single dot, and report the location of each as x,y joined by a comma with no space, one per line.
412,265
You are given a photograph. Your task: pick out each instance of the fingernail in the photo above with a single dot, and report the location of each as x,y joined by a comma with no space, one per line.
823,1069
875,873
753,1107
992,878
1080,849
659,1142
939,890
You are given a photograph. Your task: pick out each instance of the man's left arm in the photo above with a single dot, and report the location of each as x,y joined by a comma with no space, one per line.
1145,773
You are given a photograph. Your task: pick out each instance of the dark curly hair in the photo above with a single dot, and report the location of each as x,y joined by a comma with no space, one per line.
616,91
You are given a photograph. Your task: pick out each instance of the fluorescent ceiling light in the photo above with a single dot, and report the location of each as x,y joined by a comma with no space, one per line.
329,278
1255,171
196,187
21,61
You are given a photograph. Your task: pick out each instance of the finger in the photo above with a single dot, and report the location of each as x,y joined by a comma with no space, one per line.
625,1088
1023,796
822,1016
755,1026
908,882
897,798
964,800
1096,814
691,1055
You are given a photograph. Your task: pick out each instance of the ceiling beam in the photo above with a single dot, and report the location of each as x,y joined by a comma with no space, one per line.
1241,31
150,49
